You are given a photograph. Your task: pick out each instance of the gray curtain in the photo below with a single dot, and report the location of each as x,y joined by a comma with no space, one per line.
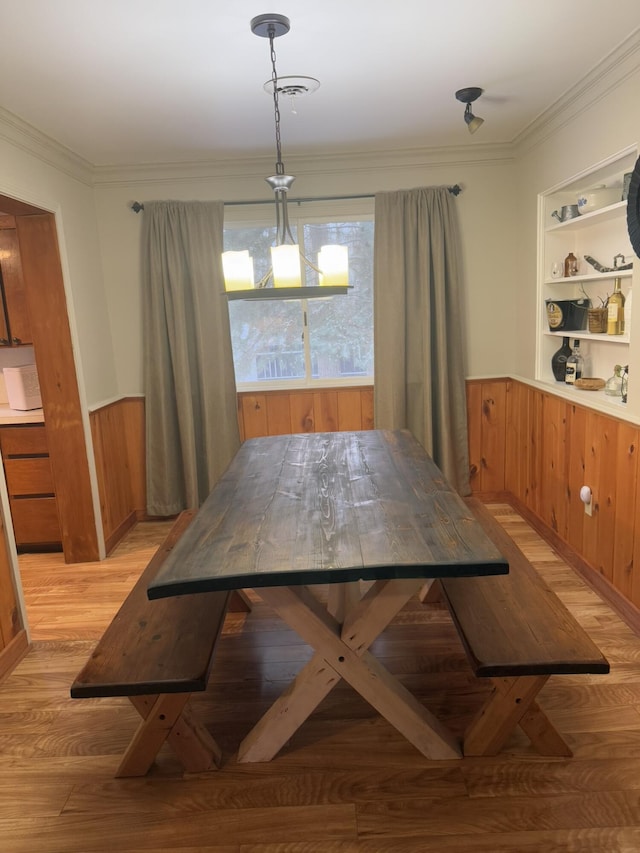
190,393
419,340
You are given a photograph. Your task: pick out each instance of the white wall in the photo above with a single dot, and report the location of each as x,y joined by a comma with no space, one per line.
585,135
61,186
486,207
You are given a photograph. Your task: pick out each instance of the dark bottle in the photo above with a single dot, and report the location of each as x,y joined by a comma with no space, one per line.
559,360
570,265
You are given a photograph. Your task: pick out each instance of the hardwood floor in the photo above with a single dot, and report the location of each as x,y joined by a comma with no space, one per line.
347,782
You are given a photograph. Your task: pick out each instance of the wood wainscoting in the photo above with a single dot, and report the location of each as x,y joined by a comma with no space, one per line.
118,432
283,412
537,450
527,446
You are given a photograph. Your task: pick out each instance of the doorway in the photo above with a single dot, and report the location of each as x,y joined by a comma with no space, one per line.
46,303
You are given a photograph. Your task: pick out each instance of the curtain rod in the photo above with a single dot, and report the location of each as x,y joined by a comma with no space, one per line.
137,206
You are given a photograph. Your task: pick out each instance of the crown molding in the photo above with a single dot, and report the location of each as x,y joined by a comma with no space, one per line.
255,168
614,69
29,139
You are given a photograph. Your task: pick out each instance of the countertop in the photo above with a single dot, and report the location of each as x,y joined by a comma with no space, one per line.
15,417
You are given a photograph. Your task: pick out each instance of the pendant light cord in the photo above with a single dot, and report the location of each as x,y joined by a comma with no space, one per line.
276,101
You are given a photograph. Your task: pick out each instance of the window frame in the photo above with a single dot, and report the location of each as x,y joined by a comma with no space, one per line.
259,215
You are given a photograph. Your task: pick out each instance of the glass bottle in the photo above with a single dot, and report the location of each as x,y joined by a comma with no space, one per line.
613,386
570,265
625,383
615,310
559,360
574,366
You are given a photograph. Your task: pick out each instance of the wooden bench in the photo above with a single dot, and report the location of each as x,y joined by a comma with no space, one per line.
516,632
157,653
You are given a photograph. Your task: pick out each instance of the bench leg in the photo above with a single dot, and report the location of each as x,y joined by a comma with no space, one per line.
164,718
542,734
510,700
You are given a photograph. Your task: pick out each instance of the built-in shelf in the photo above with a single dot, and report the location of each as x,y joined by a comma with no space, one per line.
586,335
603,214
590,278
602,235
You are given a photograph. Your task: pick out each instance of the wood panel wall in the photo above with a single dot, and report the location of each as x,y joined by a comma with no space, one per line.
282,412
525,445
541,449
118,433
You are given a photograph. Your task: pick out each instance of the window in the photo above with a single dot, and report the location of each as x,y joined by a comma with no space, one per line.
305,342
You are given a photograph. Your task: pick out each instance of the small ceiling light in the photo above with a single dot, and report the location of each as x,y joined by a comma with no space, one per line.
468,96
284,278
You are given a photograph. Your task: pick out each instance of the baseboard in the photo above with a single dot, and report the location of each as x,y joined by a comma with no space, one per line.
12,654
623,607
493,497
124,527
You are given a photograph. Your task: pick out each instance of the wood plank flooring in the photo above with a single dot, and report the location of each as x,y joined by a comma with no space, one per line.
347,782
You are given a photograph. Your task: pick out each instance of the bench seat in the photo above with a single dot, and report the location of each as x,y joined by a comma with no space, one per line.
517,632
157,653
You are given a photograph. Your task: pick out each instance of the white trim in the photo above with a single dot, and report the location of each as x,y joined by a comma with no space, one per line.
29,139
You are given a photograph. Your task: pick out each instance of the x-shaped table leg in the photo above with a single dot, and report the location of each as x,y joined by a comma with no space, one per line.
341,652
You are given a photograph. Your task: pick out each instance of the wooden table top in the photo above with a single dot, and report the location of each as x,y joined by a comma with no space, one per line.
321,508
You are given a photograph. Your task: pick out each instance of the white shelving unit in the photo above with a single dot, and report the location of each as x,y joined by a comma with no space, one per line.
601,234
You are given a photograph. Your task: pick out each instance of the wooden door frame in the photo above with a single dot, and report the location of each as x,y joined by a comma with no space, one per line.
67,425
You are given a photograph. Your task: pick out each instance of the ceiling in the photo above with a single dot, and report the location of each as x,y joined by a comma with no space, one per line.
130,82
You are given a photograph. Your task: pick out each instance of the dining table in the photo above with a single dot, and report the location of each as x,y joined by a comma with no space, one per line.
295,513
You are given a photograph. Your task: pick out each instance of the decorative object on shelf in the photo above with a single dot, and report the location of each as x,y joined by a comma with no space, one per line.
567,315
286,270
624,388
626,181
615,309
597,197
598,319
570,265
616,266
567,211
575,365
633,208
613,386
590,383
557,269
468,96
559,360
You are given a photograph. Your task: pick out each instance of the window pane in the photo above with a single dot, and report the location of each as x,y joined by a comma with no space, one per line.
267,340
266,336
341,327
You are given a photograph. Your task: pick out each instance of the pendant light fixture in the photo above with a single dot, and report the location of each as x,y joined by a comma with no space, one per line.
284,278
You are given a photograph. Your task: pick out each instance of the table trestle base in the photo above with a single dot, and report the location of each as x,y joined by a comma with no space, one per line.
341,652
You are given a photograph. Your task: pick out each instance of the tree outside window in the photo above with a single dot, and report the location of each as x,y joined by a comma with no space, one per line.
320,341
